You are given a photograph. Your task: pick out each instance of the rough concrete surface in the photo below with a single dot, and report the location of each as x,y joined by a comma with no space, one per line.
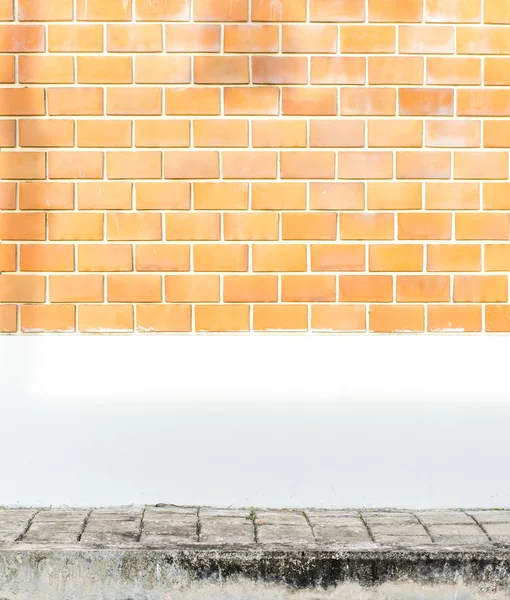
184,553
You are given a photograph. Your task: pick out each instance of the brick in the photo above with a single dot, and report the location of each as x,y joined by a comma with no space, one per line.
249,165
163,10
337,196
8,133
162,257
250,38
365,288
375,226
210,10
309,226
339,318
280,317
452,196
156,133
98,10
308,288
7,257
105,319
192,101
483,103
465,319
496,11
193,226
133,227
134,101
348,11
365,165
78,101
482,226
495,134
8,318
21,101
305,39
390,133
221,69
46,257
39,319
273,258
192,288
22,226
134,288
250,288
480,288
222,318
47,133
22,165
423,165
46,195
280,134
104,69
496,71
103,134
395,12
454,257
75,165
76,288
246,226
307,165
220,196
497,319
483,40
134,38
395,257
168,195
105,257
424,226
481,165
222,133
309,101
496,196
454,71
192,165
22,38
453,11
497,257
6,11
73,227
220,258
453,134
22,288
399,70
368,101
278,70
426,39
278,196
135,165
192,38
325,133
162,69
7,195
75,38
337,257
251,101
278,10
425,102
397,319
163,319
45,69
367,39
111,195
338,70
423,288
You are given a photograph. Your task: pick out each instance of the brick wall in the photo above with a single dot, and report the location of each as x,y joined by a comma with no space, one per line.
235,165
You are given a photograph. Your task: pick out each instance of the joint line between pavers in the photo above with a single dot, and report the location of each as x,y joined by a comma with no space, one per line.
140,531
367,527
29,524
199,524
480,526
84,525
424,527
309,524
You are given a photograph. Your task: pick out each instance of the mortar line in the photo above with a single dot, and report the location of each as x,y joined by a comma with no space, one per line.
367,526
479,525
29,524
140,530
84,525
423,524
198,524
309,524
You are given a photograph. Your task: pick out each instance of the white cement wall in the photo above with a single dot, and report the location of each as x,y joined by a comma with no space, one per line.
276,421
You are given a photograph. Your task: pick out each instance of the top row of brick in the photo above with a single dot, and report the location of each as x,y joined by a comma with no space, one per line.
377,11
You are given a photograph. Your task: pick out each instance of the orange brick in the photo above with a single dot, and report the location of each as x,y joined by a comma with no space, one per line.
193,226
397,319
337,70
46,257
280,317
483,40
278,196
496,196
134,38
278,10
222,318
309,226
464,319
452,196
383,133
22,165
8,318
162,69
21,226
426,39
22,288
340,10
367,39
305,165
424,226
365,165
163,10
105,257
366,227
395,12
398,70
6,11
75,38
368,101
192,288
72,227
453,134
279,134
396,257
308,288
496,11
168,195
251,38
76,288
192,101
220,257
497,319
8,134
309,101
133,226
45,69
336,134
98,10
454,71
221,69
134,101
473,226
453,11
46,195
7,195
247,226
220,196
495,134
483,103
425,102
221,133
249,165
192,165
192,38
135,165
168,319
251,101
104,69
7,257
21,101
47,318
365,288
103,134
210,10
134,288
156,133
496,71
339,318
250,288
454,257
105,319
111,195
272,258
337,196
481,165
78,101
337,257
75,165
480,288
304,39
22,38
46,133
277,70
497,257
423,165
159,257
423,288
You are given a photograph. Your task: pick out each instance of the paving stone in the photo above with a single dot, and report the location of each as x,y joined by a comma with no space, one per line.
498,532
281,518
491,516
285,534
236,530
455,534
340,535
453,517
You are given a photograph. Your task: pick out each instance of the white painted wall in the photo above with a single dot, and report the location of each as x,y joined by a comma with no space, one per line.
336,421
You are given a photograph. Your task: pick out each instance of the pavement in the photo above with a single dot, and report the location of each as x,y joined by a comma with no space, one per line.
167,551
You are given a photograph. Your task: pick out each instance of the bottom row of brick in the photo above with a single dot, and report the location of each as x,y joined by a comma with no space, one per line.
186,318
